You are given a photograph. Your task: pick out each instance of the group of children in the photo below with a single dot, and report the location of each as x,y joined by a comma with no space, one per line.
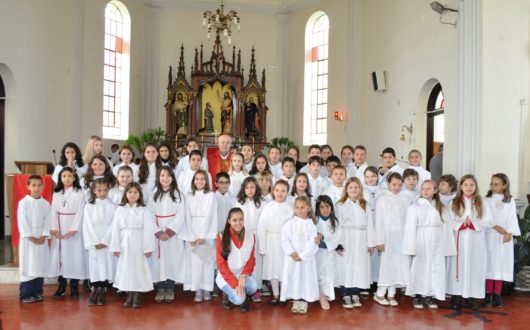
331,223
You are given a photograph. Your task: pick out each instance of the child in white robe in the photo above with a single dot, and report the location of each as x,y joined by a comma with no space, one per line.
359,161
470,218
67,255
428,240
273,217
185,179
372,191
126,153
238,173
415,164
334,191
275,163
97,222
149,164
447,189
191,144
410,184
33,216
317,182
225,201
98,168
301,187
389,166
265,185
357,241
346,154
201,225
72,157
300,278
248,156
124,177
390,219
132,240
249,200
168,264
499,239
288,172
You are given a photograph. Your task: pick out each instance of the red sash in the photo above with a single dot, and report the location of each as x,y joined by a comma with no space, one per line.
462,227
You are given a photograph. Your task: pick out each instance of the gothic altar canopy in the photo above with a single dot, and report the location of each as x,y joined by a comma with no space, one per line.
217,100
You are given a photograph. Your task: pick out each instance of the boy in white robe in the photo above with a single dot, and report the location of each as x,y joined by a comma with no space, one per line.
184,163
186,176
410,184
288,172
275,161
334,191
317,183
415,164
447,189
34,226
359,157
389,166
225,201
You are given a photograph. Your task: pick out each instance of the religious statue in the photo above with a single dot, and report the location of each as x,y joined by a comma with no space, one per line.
226,112
208,119
181,113
251,110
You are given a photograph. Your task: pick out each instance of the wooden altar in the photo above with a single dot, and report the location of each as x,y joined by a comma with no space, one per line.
216,100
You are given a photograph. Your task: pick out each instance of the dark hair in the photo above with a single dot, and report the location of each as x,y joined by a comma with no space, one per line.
389,150
34,177
332,218
287,159
172,189
504,178
359,147
314,159
172,159
93,197
121,169
128,187
450,179
333,159
107,175
206,186
394,175
279,182
60,184
190,139
458,202
340,167
115,145
410,172
143,171
241,196
295,148
349,147
326,146
274,147
195,153
254,169
78,155
222,175
307,188
127,147
314,146
372,169
225,239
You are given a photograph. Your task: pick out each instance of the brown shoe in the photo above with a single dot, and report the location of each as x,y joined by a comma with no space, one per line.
137,300
129,301
92,300
102,299
170,296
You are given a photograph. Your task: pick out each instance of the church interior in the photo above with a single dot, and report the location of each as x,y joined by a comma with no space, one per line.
406,74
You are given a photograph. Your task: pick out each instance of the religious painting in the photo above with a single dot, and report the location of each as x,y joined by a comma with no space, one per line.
252,122
181,108
218,101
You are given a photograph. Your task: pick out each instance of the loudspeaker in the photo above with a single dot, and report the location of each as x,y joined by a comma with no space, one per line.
379,81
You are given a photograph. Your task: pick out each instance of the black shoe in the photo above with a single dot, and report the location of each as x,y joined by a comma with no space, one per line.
417,302
497,301
86,286
74,291
457,302
488,302
92,300
226,302
39,297
282,303
245,305
102,299
129,301
472,303
137,300
61,291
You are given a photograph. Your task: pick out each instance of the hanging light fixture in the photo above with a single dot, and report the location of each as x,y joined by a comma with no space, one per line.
220,23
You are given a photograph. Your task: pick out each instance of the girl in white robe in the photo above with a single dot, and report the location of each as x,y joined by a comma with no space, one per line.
390,219
201,231
265,185
126,153
124,177
168,264
415,164
98,168
149,164
357,241
470,218
67,259
499,239
249,200
72,157
300,277
238,173
328,235
97,221
33,216
429,240
273,217
185,179
372,191
132,240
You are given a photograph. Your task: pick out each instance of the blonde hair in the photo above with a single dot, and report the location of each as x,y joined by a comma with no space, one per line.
307,201
265,176
344,196
243,168
89,151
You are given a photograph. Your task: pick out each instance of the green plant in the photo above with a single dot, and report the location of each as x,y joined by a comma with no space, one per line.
283,143
151,135
522,244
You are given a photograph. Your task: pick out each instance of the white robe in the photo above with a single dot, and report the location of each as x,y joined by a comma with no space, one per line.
334,193
446,200
184,164
300,278
133,236
97,228
359,172
326,258
390,219
423,175
168,260
249,165
201,223
116,194
238,258
81,171
276,170
500,255
86,191
133,166
428,239
290,181
410,195
394,169
471,257
273,217
185,179
323,170
236,179
33,221
371,195
357,235
149,185
267,198
67,256
350,169
224,204
317,185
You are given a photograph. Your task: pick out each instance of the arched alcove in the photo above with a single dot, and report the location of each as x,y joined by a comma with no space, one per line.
421,119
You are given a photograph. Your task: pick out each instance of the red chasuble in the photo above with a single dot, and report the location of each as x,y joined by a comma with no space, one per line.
217,164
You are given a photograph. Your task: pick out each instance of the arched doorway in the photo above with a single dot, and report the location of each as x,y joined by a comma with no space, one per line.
2,126
435,121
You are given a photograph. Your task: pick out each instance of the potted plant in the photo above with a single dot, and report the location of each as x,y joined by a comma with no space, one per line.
522,254
151,135
283,143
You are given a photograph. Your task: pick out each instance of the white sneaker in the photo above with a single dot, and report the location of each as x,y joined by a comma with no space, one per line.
393,302
302,307
365,293
346,302
356,301
207,296
381,300
198,296
296,307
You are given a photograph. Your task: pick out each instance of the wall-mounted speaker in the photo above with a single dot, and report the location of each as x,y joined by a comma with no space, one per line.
379,81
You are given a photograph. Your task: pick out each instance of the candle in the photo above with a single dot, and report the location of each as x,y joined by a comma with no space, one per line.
253,143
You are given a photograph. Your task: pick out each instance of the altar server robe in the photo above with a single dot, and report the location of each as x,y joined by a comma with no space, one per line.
327,257
382,178
371,195
236,179
333,192
224,204
149,185
133,166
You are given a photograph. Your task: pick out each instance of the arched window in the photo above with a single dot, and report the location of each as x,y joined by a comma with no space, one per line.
316,79
435,120
116,71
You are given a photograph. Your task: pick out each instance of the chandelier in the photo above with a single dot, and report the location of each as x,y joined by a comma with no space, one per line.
220,22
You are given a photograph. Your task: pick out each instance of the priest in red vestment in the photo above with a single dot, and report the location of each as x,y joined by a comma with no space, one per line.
219,159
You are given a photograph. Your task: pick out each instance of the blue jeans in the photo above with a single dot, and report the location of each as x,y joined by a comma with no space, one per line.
167,284
250,288
31,288
349,291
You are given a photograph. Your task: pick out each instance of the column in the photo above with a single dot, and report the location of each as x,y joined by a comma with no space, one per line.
283,87
152,108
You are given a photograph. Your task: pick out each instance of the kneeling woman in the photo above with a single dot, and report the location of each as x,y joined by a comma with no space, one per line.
236,261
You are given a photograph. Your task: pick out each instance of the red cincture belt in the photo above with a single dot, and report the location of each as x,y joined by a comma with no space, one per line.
462,227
